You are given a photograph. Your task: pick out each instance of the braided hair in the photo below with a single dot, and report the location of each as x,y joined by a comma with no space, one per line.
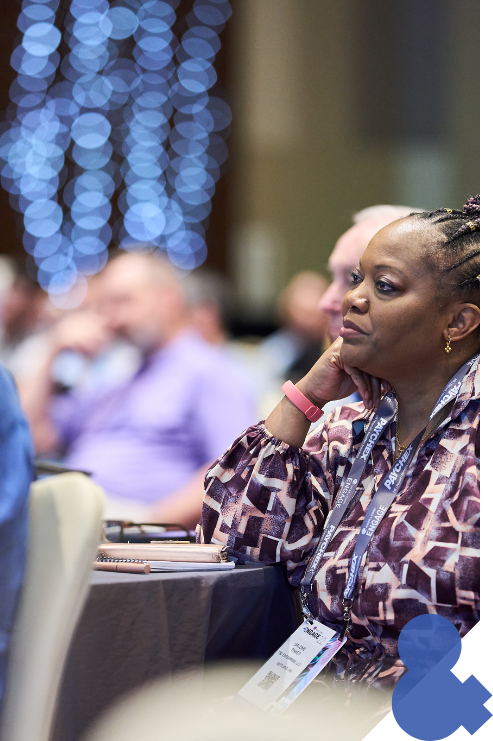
456,257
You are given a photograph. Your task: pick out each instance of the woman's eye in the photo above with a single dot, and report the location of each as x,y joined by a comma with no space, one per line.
354,278
383,286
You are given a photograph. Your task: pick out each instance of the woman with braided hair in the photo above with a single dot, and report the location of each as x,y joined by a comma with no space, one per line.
376,514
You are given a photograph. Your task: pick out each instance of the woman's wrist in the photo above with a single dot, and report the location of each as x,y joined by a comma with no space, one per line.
288,423
304,387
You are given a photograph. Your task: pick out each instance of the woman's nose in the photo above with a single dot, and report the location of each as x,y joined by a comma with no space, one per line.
356,300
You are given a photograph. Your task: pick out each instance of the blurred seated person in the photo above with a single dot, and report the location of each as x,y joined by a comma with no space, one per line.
298,344
290,351
22,316
26,316
16,474
147,441
116,362
209,297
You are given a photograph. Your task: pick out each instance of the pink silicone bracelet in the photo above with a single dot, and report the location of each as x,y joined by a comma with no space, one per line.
311,412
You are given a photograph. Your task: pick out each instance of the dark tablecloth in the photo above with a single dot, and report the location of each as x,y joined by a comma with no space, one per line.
137,627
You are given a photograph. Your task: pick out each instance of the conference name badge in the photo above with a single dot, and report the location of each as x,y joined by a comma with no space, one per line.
291,669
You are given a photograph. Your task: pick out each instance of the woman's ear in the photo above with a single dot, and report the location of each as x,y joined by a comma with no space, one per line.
464,322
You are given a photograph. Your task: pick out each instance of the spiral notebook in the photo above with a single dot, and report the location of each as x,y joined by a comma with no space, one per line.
209,553
172,565
165,556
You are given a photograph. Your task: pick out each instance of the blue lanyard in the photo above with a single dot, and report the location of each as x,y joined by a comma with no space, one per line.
387,490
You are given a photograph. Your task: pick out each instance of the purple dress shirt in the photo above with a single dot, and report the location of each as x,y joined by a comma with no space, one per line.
144,439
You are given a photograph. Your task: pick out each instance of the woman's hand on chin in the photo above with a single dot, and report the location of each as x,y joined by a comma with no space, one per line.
331,379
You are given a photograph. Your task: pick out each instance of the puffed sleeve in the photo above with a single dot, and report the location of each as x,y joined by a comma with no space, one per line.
266,499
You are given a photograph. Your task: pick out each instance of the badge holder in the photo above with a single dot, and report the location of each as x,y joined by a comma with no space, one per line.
291,669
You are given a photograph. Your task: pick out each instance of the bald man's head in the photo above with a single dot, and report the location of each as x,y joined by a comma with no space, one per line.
152,268
143,299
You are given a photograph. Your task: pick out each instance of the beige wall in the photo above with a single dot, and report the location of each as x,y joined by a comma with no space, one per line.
300,167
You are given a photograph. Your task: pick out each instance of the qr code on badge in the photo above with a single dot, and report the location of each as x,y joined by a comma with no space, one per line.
268,681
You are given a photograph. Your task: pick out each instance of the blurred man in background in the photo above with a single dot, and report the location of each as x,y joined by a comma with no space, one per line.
289,352
210,301
22,317
303,324
148,441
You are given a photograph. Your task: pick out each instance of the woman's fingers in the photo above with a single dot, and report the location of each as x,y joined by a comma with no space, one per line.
361,381
330,379
373,384
371,388
376,388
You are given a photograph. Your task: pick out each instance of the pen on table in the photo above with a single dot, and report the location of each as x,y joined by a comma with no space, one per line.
130,568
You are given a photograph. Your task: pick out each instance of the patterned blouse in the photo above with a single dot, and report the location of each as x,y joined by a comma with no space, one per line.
268,500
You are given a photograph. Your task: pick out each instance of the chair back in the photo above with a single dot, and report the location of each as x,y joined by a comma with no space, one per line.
65,516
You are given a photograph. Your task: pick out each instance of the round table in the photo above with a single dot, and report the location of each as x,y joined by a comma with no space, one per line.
136,627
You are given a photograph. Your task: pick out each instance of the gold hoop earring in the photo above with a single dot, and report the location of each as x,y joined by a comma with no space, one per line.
447,346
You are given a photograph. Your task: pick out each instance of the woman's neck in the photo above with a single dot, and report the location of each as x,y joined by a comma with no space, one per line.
417,396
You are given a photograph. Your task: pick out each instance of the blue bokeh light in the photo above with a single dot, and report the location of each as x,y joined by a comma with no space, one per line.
90,130
41,39
122,22
127,110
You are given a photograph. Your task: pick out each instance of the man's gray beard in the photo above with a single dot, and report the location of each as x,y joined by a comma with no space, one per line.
146,342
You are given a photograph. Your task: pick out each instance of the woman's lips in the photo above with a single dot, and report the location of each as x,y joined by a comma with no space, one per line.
349,329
